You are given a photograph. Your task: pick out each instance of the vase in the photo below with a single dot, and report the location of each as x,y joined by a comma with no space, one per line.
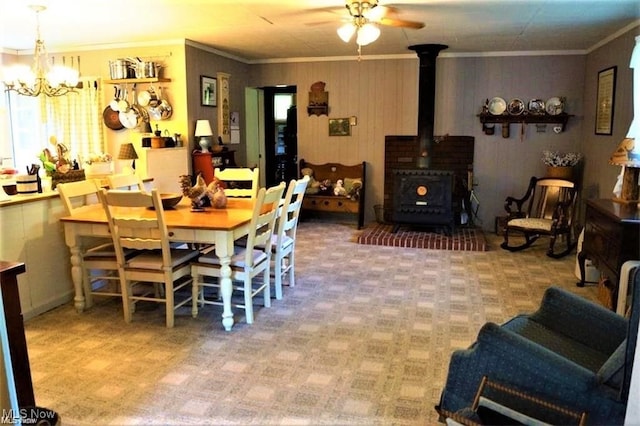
560,172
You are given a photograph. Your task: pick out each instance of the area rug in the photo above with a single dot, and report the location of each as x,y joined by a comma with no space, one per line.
463,239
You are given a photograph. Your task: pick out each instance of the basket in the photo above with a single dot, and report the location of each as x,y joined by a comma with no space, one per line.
70,176
560,172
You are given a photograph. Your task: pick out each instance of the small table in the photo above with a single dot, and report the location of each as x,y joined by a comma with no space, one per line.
611,237
218,226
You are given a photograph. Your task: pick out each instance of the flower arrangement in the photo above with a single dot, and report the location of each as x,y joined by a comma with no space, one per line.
99,158
559,159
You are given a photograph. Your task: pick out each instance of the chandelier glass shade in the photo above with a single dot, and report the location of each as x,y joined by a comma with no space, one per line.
362,13
42,78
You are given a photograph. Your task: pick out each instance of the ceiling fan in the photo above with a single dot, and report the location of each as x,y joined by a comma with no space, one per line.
364,15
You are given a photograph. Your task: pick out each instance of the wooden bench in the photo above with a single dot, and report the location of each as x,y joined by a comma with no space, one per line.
327,201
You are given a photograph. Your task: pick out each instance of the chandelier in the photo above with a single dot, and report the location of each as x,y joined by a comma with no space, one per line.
43,78
366,31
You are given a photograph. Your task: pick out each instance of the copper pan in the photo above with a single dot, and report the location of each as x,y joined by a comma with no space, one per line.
111,119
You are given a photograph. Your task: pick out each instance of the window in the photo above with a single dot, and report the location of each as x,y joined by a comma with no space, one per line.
27,124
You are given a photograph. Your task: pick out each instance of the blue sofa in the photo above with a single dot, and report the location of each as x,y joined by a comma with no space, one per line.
571,352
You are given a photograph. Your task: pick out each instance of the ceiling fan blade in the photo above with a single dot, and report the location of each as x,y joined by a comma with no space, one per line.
401,23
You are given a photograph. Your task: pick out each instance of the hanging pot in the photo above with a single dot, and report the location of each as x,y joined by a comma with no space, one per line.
123,103
148,97
129,117
116,97
111,119
165,108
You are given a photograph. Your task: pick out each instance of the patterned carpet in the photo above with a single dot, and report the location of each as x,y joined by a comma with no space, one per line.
364,338
462,239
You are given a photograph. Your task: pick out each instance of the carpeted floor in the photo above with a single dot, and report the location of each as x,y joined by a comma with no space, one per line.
364,338
462,239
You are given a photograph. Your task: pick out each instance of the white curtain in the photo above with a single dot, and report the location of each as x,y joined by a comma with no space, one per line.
76,119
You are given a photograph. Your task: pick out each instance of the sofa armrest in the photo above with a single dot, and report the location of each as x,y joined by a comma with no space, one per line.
580,319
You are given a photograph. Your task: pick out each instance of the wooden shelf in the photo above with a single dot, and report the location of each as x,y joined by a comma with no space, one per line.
526,118
138,80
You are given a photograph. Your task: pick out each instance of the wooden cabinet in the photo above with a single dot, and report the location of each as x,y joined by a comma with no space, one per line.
205,162
611,237
32,234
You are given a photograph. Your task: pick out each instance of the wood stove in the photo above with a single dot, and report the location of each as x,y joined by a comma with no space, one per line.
423,197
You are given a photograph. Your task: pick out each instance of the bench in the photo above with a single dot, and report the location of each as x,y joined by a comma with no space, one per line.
321,198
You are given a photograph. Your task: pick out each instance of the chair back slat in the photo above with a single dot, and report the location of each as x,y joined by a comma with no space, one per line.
239,181
547,194
136,232
263,220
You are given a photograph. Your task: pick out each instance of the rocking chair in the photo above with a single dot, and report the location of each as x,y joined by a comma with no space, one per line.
547,208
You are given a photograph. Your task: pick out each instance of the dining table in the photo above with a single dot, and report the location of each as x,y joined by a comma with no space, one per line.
210,225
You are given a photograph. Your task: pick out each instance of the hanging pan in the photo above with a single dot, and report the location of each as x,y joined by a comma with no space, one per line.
111,119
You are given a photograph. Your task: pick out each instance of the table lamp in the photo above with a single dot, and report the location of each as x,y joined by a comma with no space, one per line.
203,131
627,154
128,152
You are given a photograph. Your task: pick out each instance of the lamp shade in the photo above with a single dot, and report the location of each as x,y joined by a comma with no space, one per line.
367,34
127,152
346,31
626,154
203,128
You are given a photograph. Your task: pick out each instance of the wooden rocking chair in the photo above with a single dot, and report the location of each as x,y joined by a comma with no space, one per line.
548,209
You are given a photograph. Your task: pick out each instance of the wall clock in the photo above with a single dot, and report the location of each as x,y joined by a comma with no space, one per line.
224,114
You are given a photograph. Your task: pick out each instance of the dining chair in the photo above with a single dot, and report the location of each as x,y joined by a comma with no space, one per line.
284,239
247,262
129,181
157,263
238,181
98,263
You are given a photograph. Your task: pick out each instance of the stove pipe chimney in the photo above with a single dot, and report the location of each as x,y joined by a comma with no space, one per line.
426,99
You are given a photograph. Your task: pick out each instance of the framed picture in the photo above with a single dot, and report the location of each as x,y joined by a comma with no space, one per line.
605,99
339,127
208,91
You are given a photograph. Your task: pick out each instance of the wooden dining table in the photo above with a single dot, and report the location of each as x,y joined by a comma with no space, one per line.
221,227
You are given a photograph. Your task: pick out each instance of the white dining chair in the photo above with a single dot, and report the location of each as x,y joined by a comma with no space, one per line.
129,181
98,264
239,181
158,263
284,239
247,262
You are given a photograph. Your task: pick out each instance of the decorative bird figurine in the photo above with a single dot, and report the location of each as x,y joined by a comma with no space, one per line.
198,193
216,194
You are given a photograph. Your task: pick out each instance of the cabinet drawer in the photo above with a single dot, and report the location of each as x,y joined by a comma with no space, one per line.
330,204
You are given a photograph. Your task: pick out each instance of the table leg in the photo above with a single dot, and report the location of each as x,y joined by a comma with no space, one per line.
75,249
224,251
76,277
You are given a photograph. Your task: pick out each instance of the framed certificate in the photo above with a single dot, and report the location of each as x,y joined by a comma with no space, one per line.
605,101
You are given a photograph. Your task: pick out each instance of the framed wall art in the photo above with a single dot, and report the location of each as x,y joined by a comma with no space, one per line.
339,127
605,99
208,91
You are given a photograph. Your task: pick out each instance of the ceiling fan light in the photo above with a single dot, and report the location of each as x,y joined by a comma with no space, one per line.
346,31
367,34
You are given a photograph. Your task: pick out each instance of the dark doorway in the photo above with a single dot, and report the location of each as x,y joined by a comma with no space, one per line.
281,134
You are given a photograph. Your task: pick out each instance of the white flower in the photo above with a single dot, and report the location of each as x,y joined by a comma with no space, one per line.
558,159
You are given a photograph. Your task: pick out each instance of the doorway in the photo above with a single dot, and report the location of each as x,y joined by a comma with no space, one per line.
280,134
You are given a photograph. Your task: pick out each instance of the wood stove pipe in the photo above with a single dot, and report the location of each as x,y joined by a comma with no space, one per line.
426,99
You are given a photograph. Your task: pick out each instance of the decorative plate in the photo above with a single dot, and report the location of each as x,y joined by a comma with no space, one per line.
554,106
497,106
536,106
515,107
